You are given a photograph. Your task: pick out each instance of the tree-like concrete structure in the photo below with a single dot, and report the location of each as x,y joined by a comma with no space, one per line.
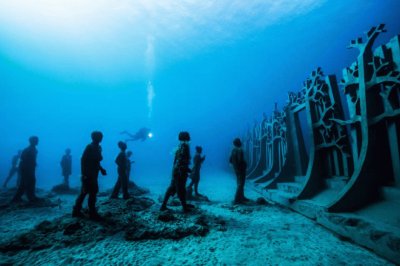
319,156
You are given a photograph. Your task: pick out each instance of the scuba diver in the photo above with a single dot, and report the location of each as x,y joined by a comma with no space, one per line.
142,134
239,165
27,169
14,169
66,166
180,173
90,168
195,176
122,163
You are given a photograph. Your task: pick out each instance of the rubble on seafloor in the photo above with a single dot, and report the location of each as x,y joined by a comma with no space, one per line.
44,200
64,189
136,218
133,190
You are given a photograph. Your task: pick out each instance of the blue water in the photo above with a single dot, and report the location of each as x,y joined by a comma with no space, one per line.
208,67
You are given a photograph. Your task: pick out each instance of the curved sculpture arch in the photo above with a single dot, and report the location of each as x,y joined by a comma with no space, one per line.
347,154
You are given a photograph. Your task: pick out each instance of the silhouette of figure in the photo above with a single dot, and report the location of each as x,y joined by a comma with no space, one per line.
180,173
122,162
142,134
90,167
132,187
66,166
14,169
27,168
128,164
195,176
239,165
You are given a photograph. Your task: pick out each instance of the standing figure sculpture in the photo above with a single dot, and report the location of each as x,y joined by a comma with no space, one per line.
66,166
13,169
90,168
122,163
27,171
239,165
129,163
132,187
180,173
195,175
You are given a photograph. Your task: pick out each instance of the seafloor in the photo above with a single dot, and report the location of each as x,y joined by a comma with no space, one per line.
134,233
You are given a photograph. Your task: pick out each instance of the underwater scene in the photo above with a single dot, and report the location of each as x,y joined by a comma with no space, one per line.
183,132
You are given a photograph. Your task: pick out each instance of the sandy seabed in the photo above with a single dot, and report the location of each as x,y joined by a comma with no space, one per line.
254,235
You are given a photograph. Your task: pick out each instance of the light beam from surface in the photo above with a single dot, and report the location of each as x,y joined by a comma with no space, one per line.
62,34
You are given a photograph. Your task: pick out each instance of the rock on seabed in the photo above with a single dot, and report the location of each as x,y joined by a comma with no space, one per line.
134,217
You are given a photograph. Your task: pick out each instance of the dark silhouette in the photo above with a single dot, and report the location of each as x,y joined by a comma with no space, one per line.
239,165
122,162
180,173
128,164
90,167
66,166
132,187
27,168
195,175
13,169
142,134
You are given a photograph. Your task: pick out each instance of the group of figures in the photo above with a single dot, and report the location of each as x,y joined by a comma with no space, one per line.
91,167
181,171
25,170
23,165
17,162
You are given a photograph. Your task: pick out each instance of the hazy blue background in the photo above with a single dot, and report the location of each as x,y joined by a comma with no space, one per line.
69,67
